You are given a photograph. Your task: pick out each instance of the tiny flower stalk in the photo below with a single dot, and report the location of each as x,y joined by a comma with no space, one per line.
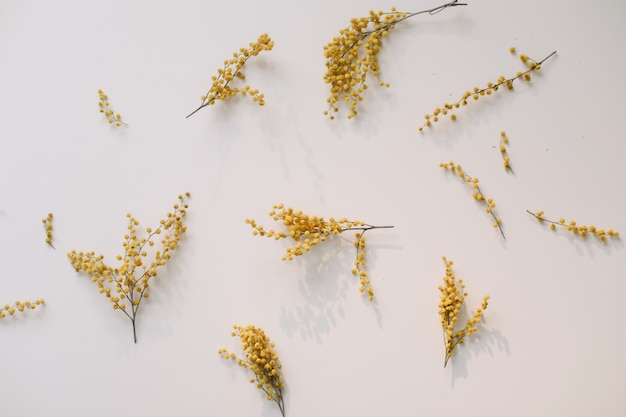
448,109
233,69
575,228
308,231
506,159
452,296
478,194
262,360
19,306
354,53
105,107
47,224
127,285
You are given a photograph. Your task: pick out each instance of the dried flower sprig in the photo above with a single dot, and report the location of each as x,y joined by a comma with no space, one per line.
354,53
105,107
308,231
262,360
359,266
221,89
476,93
19,306
573,227
452,296
47,223
128,283
504,140
478,194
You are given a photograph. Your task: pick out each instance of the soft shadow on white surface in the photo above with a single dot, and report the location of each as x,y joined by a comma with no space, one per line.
326,286
486,341
342,355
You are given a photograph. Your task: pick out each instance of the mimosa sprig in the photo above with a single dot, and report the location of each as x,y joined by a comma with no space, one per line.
478,194
354,53
308,231
576,229
129,282
261,358
452,297
221,88
477,92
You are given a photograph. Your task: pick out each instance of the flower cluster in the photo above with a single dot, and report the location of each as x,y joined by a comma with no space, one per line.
477,92
452,296
354,53
359,267
105,107
47,223
262,360
478,194
308,231
221,88
19,306
573,227
504,140
128,283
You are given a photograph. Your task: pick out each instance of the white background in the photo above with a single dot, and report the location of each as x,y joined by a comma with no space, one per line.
552,339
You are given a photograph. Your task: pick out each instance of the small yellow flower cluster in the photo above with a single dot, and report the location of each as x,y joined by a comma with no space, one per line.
452,296
504,140
221,89
19,306
478,195
262,360
128,283
308,231
572,226
47,223
112,117
359,267
477,92
347,67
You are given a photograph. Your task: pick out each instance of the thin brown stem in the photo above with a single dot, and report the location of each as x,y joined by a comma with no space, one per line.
435,10
476,93
536,67
495,218
206,101
134,329
366,227
431,12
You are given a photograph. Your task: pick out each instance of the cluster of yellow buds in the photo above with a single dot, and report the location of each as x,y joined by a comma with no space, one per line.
308,231
128,283
221,88
504,140
19,306
477,92
47,223
478,195
452,296
262,360
573,227
346,65
359,267
105,107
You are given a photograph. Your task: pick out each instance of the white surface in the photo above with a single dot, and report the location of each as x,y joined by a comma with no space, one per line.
551,343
